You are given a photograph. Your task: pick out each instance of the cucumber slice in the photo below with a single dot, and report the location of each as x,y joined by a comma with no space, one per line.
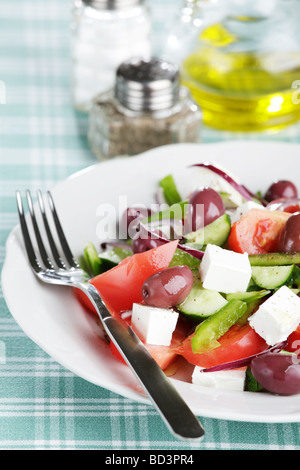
201,303
271,277
295,281
215,233
251,384
96,263
169,188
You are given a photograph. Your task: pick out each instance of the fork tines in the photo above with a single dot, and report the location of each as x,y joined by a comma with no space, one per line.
46,262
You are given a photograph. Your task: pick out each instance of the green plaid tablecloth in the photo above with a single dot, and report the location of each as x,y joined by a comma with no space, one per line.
43,141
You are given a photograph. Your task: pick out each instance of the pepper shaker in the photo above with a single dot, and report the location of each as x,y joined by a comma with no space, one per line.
104,34
146,108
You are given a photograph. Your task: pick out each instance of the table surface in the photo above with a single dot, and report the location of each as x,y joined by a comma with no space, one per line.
43,141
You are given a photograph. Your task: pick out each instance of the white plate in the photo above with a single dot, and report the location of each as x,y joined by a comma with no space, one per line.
52,317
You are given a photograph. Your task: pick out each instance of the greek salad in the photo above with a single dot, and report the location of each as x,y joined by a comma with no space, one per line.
210,278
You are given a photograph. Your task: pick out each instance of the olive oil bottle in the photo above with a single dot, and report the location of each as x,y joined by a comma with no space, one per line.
242,90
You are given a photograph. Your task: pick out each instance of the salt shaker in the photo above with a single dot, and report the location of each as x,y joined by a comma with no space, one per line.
146,108
104,34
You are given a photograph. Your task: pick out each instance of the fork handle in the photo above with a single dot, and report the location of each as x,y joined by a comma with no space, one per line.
171,406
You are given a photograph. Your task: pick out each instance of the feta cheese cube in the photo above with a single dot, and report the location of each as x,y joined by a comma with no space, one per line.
154,325
224,270
243,209
224,379
277,317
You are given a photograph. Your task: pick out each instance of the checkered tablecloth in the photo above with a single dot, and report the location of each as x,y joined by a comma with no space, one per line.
43,141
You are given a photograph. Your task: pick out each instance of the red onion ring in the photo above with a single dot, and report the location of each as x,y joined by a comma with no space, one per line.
157,236
241,189
246,360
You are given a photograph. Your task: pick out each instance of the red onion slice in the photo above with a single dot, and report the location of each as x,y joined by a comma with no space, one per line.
246,360
241,189
158,236
191,251
254,196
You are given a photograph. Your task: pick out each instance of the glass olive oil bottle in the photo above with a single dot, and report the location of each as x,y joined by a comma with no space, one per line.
243,70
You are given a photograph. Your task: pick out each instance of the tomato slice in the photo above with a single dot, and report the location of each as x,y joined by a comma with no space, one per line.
163,355
285,205
293,344
292,208
237,343
257,231
121,286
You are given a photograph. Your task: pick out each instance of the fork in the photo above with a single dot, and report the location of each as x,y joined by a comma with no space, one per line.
61,268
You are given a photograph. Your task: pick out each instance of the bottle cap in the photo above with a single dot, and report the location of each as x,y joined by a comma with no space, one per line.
147,84
112,4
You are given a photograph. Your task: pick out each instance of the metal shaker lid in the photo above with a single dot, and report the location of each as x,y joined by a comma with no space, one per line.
147,84
112,4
